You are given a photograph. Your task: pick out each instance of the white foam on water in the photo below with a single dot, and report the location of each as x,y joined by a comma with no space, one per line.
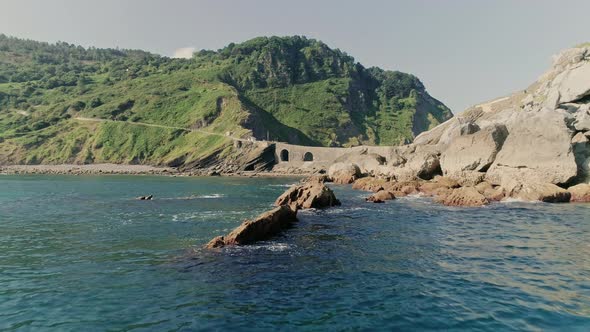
211,196
511,200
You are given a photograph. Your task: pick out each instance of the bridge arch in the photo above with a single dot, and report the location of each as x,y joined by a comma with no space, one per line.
284,155
308,156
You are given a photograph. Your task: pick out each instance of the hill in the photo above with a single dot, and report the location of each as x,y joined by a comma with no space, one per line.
62,103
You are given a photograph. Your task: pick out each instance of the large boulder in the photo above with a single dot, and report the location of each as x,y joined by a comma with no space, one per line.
580,192
344,172
312,194
537,150
544,192
261,228
473,152
464,196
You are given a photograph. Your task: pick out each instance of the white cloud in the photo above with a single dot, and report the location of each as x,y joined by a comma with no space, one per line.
184,52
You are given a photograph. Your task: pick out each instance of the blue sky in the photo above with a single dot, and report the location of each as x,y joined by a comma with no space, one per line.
464,51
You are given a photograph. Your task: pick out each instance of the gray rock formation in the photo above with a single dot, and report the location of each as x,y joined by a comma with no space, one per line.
521,144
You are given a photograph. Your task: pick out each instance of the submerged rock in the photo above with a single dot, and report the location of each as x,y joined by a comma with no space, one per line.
261,228
312,194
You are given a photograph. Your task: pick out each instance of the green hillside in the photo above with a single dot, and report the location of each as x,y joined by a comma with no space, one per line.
61,103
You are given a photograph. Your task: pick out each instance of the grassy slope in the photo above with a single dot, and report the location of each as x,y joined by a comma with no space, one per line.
38,123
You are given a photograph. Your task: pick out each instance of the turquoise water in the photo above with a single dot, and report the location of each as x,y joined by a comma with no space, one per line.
80,254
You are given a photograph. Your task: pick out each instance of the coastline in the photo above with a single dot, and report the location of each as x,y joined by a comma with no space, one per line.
125,169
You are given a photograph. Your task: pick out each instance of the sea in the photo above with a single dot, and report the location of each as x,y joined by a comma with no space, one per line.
80,253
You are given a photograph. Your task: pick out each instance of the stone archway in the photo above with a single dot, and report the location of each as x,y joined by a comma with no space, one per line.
308,156
284,155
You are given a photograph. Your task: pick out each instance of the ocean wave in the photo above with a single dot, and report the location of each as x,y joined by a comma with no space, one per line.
269,246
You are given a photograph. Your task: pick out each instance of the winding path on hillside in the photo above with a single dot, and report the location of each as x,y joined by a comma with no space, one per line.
81,118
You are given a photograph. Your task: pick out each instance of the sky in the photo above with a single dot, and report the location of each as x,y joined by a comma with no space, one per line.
464,51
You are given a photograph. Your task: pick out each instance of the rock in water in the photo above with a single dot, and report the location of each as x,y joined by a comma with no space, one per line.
344,173
263,227
544,192
464,196
381,196
145,198
312,194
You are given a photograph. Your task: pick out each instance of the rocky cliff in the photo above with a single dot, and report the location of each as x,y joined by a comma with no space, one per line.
530,141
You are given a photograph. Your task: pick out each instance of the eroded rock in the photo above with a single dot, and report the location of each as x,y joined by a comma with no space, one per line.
464,196
261,228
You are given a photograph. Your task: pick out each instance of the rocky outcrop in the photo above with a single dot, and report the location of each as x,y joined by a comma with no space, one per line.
344,172
312,194
517,145
580,192
261,228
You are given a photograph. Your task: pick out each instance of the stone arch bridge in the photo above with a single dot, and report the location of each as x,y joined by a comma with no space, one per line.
296,155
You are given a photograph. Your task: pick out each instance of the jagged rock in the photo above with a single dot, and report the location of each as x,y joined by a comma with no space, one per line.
344,173
473,152
580,192
308,195
544,192
464,196
381,196
216,242
263,227
145,198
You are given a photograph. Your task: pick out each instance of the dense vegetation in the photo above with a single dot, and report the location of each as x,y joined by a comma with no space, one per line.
158,110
